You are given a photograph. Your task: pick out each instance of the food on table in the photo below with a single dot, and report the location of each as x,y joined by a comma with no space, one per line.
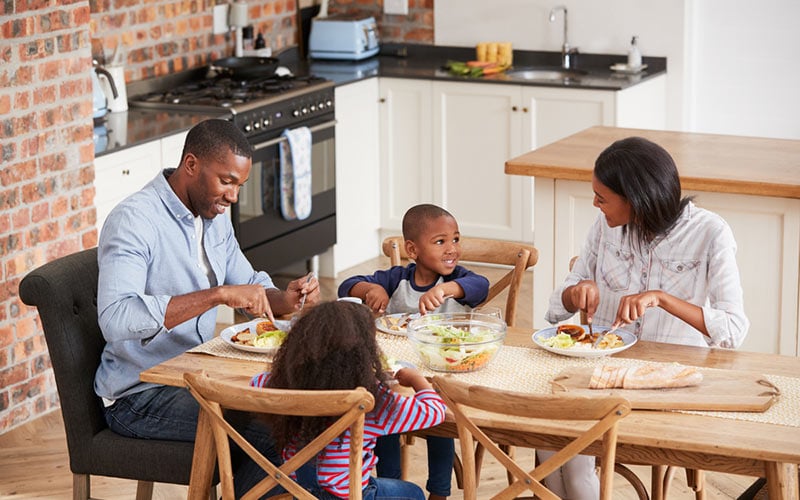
266,335
458,350
650,376
576,337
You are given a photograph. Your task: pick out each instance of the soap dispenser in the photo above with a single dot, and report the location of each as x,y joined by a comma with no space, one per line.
634,56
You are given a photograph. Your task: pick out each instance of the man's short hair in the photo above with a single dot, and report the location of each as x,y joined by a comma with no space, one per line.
212,139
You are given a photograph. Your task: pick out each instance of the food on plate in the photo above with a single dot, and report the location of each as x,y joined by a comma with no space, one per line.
458,350
571,338
266,335
649,376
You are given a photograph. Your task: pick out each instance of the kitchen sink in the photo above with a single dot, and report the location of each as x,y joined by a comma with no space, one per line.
545,74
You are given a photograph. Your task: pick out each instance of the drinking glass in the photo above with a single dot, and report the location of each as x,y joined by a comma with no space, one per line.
490,310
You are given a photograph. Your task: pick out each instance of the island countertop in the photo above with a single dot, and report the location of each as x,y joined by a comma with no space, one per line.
706,162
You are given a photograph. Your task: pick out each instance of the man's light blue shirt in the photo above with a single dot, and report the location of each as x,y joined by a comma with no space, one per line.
147,254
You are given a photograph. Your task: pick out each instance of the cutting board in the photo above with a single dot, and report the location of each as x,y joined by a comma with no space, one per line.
721,390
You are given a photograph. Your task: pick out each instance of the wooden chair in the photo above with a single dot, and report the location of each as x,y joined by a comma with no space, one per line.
213,431
507,253
604,411
65,294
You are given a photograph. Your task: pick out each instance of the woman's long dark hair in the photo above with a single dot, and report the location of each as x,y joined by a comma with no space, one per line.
330,347
645,174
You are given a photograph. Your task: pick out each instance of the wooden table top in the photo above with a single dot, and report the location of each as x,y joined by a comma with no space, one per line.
690,440
706,162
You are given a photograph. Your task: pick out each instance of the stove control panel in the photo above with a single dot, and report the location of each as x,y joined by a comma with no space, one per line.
288,112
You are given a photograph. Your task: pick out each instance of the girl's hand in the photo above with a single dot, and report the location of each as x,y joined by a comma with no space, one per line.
584,296
410,377
632,307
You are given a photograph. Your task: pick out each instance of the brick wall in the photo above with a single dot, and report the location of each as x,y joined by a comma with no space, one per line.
47,172
417,27
46,191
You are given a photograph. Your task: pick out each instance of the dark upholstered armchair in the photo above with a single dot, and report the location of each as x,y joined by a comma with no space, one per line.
65,293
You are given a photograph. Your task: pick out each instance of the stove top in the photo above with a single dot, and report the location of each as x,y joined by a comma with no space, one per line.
256,105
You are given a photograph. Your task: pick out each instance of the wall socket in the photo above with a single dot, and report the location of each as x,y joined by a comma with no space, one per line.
399,7
221,19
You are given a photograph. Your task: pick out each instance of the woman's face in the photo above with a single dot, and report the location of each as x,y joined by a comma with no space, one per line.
616,208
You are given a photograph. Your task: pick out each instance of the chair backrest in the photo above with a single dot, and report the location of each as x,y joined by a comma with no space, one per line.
479,250
604,411
214,396
65,293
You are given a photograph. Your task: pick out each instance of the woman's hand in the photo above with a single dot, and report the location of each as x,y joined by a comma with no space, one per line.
584,296
632,307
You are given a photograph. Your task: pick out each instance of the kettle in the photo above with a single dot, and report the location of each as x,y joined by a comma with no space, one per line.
99,100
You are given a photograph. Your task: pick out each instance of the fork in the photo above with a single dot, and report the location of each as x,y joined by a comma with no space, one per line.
303,298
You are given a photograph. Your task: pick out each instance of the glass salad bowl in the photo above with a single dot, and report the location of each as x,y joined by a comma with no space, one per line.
456,342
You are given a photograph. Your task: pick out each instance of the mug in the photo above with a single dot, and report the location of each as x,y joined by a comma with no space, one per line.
119,103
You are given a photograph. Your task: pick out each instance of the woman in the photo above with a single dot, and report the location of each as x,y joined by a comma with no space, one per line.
653,263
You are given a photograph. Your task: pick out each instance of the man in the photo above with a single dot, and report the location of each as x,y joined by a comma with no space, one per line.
166,262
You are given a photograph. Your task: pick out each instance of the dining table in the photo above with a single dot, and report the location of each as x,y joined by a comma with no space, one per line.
760,444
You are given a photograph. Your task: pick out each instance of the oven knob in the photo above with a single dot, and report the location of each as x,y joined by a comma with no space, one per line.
257,125
313,107
305,111
296,113
265,122
321,105
329,103
248,128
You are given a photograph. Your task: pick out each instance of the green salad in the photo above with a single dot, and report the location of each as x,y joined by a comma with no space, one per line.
273,338
457,357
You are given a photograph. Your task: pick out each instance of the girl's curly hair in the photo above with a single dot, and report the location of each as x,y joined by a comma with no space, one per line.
331,347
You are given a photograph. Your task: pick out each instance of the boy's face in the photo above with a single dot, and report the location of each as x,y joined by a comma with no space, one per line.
437,249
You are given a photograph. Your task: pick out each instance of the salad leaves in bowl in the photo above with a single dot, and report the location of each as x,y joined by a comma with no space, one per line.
456,342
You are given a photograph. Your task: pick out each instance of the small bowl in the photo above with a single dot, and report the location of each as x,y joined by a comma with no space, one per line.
457,342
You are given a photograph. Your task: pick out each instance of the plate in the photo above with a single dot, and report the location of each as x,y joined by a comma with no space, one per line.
395,324
229,332
628,70
582,352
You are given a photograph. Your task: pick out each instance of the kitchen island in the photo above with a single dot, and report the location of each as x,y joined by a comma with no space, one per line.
754,183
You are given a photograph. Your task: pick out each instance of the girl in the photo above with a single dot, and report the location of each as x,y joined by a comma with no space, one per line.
331,347
652,261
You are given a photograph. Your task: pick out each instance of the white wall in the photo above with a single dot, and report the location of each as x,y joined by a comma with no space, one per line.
733,65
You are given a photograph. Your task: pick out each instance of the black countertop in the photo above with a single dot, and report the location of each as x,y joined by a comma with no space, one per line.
137,126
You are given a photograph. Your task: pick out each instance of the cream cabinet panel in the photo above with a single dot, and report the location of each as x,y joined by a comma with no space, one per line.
120,174
405,148
357,178
476,128
171,150
557,113
767,232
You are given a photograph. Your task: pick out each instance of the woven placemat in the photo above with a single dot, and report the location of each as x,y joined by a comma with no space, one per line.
525,369
218,347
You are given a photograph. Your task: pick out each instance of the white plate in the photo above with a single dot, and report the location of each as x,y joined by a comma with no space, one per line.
582,352
628,70
229,332
392,323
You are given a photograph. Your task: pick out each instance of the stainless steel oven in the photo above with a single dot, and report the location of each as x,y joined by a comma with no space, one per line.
263,108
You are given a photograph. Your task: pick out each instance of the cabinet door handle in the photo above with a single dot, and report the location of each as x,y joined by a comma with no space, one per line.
524,110
513,108
126,172
382,100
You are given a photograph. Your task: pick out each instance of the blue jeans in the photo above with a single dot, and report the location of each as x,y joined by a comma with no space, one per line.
441,453
170,413
376,489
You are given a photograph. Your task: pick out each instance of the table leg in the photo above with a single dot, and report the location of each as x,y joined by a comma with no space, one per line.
657,476
782,481
202,460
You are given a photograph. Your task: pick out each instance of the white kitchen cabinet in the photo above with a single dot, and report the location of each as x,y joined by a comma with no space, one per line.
406,159
447,143
476,128
171,150
767,232
358,219
120,174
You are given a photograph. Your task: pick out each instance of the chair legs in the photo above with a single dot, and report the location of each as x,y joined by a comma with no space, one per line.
144,490
81,487
662,477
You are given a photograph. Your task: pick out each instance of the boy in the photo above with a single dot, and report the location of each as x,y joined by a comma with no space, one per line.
434,282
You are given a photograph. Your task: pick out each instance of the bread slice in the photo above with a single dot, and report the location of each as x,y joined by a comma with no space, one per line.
649,376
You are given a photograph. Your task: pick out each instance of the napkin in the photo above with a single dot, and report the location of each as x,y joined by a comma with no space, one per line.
295,173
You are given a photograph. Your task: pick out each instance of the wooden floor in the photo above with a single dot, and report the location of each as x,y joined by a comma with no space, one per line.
34,461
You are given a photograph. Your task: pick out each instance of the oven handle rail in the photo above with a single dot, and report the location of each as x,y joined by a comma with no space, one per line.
315,128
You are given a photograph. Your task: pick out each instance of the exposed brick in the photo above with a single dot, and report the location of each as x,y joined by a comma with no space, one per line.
3,401
40,211
35,191
89,238
19,172
5,223
58,206
9,198
5,104
13,375
6,338
62,248
21,218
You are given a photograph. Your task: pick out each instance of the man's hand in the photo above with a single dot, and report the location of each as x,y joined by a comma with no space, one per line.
252,299
308,285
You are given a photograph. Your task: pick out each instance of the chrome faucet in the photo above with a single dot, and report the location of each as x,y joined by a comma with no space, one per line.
568,53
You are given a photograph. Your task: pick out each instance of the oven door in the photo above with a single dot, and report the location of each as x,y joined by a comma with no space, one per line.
268,240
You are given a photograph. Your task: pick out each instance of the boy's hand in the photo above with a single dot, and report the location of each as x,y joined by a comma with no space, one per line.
376,299
432,299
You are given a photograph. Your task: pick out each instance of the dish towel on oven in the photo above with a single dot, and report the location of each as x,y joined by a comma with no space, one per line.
296,173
